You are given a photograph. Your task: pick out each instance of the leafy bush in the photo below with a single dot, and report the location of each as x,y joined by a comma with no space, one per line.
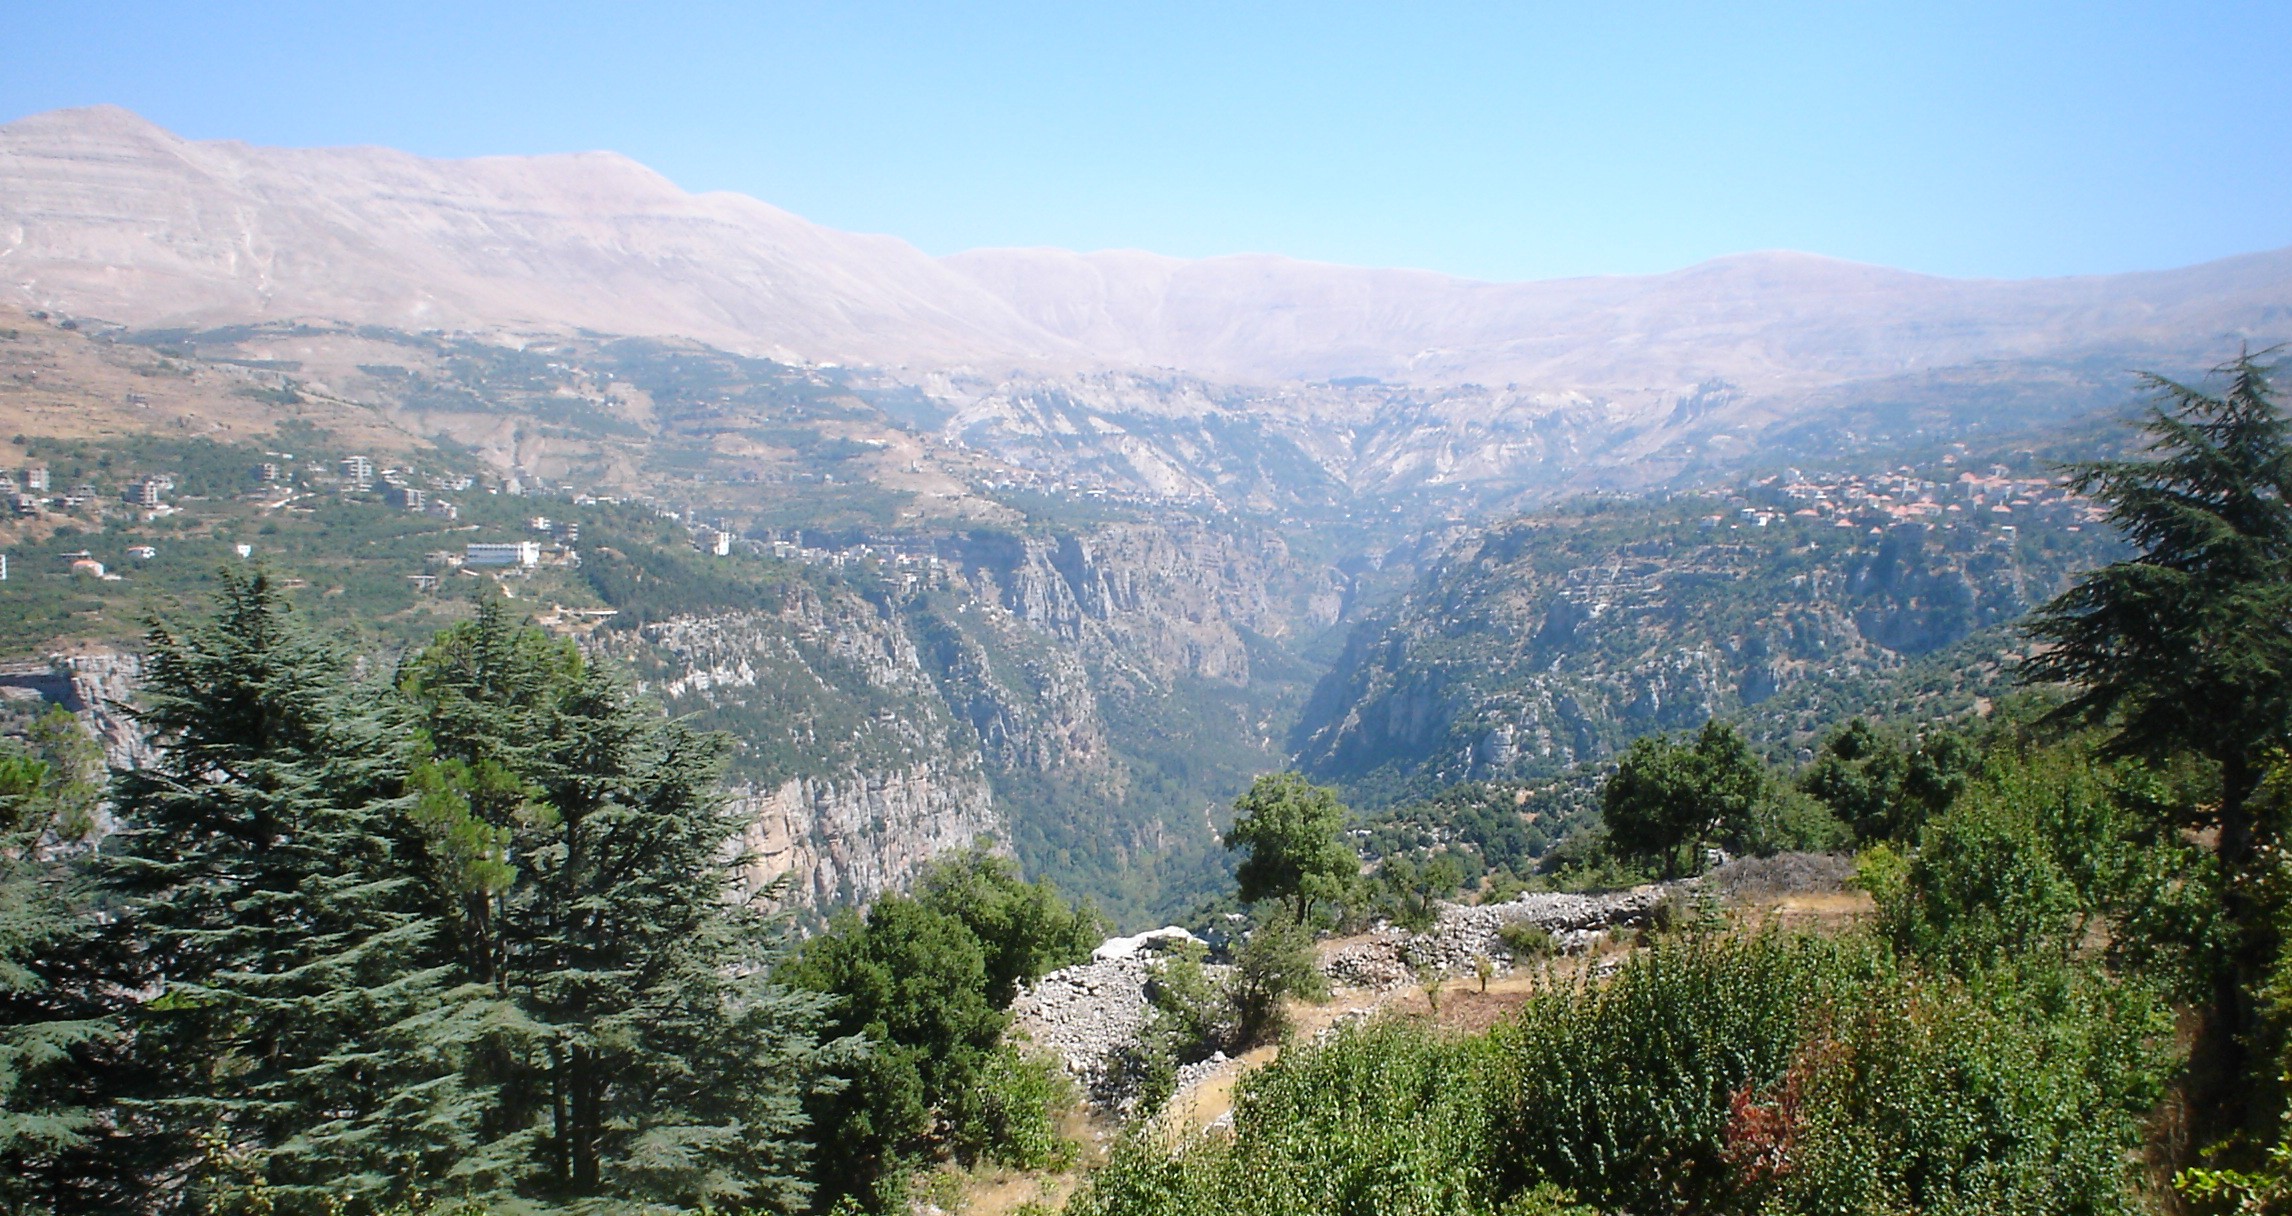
1526,941
1276,962
1788,821
1714,1073
1011,1117
925,981
1381,1121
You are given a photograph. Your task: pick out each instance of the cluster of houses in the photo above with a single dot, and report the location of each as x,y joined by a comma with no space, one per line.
1991,498
30,493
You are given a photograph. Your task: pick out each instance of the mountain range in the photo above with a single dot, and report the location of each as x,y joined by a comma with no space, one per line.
105,215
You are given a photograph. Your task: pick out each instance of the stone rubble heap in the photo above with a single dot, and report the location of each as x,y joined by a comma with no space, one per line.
1090,1015
1083,1014
1463,933
1390,958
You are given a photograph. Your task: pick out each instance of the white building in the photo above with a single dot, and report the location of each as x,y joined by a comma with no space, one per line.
358,473
514,553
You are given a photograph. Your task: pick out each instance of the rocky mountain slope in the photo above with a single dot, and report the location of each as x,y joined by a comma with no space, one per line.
1528,385
1553,640
1041,545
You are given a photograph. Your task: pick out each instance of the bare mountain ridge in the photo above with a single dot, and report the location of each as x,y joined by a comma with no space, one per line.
105,215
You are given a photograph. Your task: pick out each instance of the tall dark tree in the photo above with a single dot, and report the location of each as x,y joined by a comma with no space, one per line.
279,912
620,1021
61,989
2186,649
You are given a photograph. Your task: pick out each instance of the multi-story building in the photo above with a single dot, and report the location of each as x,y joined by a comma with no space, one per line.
358,473
513,553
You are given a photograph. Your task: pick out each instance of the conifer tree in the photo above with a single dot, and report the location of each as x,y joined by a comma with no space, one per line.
59,995
625,1034
2186,649
275,906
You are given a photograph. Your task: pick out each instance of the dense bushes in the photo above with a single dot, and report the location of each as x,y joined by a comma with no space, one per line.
923,981
1712,1074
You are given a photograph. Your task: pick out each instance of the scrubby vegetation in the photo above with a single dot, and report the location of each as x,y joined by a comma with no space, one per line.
474,935
2051,885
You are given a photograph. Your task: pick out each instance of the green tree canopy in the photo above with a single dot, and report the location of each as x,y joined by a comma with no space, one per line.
278,908
59,1000
1668,797
620,1026
925,980
1294,831
1883,789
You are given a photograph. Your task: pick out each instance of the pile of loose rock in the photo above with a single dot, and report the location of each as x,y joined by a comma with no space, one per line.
1463,933
1084,1014
1090,1016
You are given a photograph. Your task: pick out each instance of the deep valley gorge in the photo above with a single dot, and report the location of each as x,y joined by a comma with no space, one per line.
1065,564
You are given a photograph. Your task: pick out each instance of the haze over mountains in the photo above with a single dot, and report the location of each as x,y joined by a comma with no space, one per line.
105,215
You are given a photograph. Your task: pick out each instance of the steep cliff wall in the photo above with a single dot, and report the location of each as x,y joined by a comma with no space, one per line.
1551,641
855,768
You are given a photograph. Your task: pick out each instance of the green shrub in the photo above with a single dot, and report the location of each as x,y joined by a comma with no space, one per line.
1011,1117
1985,885
1787,820
1527,941
1385,1120
1276,962
1713,1074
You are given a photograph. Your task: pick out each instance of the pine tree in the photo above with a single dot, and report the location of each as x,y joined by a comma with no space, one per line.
629,1041
59,996
2185,649
263,875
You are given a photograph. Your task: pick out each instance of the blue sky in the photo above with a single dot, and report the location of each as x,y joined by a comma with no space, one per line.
1497,141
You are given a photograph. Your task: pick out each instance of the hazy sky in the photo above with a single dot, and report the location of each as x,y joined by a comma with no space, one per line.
1499,141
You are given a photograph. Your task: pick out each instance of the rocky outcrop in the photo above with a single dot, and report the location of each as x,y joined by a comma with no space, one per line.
1548,642
103,685
97,686
847,758
1156,601
848,841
